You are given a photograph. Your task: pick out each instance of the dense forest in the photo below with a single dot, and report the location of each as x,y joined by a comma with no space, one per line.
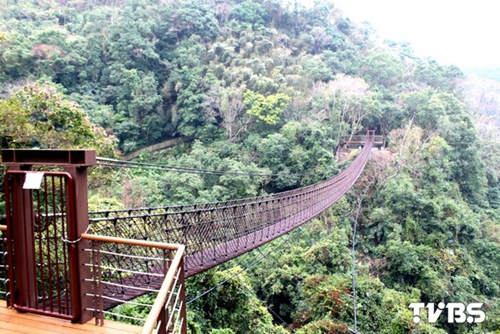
270,87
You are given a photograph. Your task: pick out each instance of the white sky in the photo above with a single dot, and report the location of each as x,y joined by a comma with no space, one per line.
461,32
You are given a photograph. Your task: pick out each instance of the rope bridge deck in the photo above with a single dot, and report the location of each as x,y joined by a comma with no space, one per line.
217,232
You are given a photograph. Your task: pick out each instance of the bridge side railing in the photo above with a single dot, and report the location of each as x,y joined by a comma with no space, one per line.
121,268
217,232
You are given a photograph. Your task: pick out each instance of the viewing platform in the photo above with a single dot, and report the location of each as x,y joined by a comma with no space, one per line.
12,321
355,141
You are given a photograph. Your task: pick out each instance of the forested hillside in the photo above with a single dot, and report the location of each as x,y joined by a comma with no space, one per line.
269,87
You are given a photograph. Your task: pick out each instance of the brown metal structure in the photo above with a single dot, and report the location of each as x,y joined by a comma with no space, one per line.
355,141
217,232
40,261
44,224
4,273
56,216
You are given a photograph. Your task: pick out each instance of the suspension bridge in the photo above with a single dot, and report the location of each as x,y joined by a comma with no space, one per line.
63,261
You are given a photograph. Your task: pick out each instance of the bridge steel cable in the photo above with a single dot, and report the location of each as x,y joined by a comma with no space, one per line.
217,232
106,162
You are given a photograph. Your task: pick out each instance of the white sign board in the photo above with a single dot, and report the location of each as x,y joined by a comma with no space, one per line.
33,180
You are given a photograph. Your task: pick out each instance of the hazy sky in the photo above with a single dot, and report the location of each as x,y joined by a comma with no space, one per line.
461,32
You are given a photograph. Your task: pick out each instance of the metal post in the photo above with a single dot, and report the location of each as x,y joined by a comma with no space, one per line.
182,292
78,256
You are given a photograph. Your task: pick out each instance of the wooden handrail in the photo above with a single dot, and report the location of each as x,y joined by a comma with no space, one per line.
133,242
161,299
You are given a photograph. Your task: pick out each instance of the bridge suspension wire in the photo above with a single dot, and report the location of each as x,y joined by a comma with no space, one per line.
268,307
254,262
131,164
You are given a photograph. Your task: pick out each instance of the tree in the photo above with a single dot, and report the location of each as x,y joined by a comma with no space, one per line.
182,19
345,102
132,40
139,108
265,108
430,73
16,59
231,109
442,113
39,116
189,90
482,104
191,101
382,68
232,306
250,12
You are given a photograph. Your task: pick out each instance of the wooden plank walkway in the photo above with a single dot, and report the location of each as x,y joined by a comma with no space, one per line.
12,321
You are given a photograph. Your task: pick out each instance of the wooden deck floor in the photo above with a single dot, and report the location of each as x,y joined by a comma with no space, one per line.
12,321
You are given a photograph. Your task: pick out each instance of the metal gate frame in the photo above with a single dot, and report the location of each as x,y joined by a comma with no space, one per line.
28,246
74,164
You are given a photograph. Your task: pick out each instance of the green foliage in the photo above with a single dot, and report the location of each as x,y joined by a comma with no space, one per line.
382,68
442,113
133,42
428,71
129,310
330,296
182,19
250,12
39,116
324,326
139,188
283,83
232,308
136,99
97,203
17,130
266,108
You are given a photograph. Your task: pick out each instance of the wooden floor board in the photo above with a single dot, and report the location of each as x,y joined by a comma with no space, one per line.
12,321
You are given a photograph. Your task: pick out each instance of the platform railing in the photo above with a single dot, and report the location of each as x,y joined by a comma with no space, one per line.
4,286
121,267
168,314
